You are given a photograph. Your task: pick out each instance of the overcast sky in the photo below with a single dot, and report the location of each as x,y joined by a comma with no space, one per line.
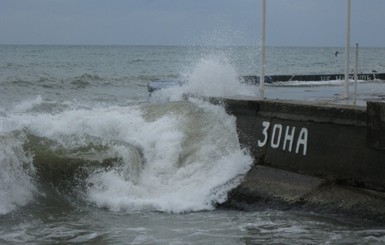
190,22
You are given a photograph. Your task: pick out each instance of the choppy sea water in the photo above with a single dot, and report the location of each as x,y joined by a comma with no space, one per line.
87,156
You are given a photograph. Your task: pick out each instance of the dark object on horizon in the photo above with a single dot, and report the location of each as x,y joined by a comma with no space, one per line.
316,77
336,53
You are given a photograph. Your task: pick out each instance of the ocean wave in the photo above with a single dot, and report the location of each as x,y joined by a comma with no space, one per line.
55,82
189,165
19,82
33,82
173,157
17,186
85,80
66,166
39,105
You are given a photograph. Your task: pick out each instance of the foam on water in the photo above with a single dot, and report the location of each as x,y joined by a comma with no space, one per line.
174,157
28,105
191,160
17,187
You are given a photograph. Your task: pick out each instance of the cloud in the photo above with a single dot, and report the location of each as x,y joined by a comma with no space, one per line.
168,22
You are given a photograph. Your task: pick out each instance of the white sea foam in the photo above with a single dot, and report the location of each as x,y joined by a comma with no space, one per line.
188,166
16,183
177,156
28,104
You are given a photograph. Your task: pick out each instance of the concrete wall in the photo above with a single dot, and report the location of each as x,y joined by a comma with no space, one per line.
376,125
300,148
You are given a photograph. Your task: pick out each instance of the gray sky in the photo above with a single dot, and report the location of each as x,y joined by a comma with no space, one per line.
186,22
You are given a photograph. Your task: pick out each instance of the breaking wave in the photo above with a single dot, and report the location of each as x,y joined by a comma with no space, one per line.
17,187
175,157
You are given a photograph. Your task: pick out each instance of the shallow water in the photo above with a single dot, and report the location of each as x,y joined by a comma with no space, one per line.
59,223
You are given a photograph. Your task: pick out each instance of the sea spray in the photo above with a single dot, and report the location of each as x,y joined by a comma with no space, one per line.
216,76
212,75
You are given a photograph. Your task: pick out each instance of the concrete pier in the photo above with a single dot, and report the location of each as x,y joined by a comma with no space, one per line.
313,154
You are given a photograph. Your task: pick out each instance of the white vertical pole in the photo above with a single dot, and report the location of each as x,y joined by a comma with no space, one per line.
262,52
347,48
355,76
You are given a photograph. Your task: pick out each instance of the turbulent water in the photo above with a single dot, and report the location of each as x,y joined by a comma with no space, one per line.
87,156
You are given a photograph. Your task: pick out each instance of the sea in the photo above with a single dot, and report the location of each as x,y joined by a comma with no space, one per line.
89,156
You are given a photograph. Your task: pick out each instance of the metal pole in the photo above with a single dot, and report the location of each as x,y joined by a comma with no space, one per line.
355,76
262,52
347,49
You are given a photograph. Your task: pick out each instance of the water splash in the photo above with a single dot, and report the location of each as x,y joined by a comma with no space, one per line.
216,76
212,75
